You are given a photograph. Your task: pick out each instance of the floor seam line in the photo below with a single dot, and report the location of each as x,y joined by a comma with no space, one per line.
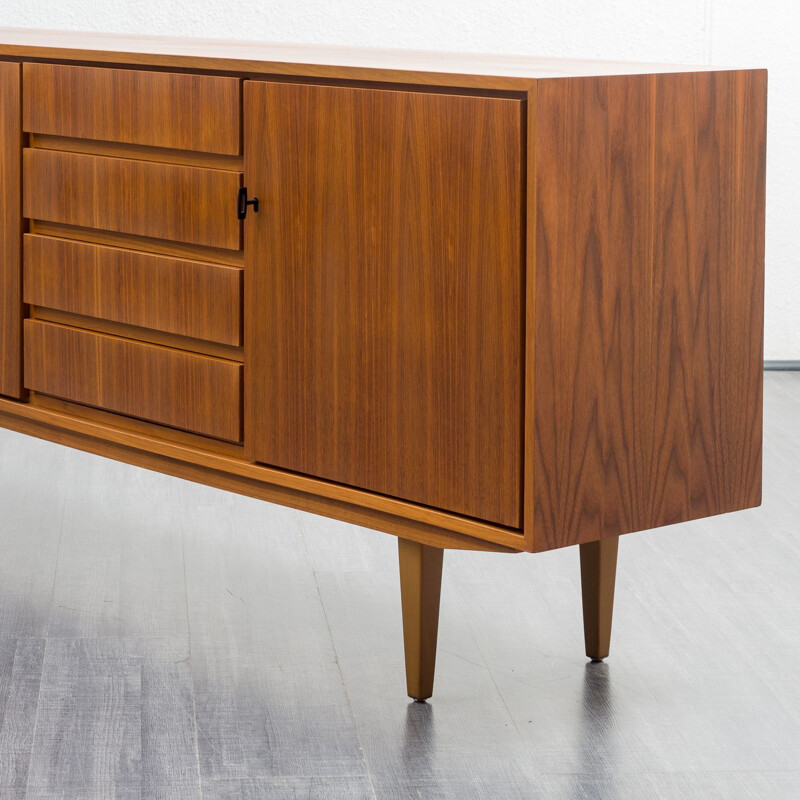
191,663
338,662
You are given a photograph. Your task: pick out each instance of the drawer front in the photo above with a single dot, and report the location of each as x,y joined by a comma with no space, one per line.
146,198
183,390
162,109
188,298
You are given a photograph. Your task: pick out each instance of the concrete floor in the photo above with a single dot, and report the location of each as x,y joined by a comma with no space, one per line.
164,640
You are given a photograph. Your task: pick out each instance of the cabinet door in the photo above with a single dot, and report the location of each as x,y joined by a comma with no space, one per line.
384,283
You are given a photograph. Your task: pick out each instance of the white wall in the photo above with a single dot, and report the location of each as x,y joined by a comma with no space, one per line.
725,32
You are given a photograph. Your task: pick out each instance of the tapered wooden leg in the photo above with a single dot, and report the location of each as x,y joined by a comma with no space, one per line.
598,575
420,589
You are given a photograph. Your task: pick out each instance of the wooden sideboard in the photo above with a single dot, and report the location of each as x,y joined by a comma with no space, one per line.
476,302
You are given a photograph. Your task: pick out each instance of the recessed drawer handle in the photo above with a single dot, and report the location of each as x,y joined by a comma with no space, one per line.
242,203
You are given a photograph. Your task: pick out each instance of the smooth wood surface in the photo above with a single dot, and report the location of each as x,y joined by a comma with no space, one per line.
183,297
185,112
420,589
109,418
384,281
649,302
146,198
483,70
191,252
598,579
10,231
150,335
137,151
182,390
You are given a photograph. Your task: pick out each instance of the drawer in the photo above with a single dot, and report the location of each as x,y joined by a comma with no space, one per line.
187,112
146,198
188,298
183,390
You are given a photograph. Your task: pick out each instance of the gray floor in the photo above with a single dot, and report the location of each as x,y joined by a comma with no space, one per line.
164,640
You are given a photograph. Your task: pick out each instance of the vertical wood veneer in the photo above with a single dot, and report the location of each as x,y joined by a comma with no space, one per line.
10,231
649,301
384,281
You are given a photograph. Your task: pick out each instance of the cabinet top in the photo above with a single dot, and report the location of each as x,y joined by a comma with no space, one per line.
317,61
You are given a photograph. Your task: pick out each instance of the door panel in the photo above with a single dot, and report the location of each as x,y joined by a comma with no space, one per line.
384,285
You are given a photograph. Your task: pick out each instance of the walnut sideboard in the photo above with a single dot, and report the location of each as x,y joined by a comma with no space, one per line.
476,302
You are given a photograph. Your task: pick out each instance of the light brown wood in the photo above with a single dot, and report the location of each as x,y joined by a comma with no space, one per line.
145,198
153,429
192,252
234,475
163,109
189,298
202,346
10,231
480,70
420,590
598,579
138,152
384,277
183,390
648,302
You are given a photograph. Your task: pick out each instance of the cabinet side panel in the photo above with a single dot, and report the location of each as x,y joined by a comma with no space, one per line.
10,231
592,307
649,302
710,173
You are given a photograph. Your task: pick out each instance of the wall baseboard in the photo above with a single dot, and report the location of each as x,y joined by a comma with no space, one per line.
782,365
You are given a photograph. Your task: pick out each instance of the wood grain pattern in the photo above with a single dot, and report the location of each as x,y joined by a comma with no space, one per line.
420,591
203,346
384,282
21,660
115,713
146,198
479,70
649,302
137,151
598,581
188,298
141,426
10,231
711,159
162,109
182,390
192,252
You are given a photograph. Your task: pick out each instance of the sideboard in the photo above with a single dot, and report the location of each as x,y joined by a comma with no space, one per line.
478,302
